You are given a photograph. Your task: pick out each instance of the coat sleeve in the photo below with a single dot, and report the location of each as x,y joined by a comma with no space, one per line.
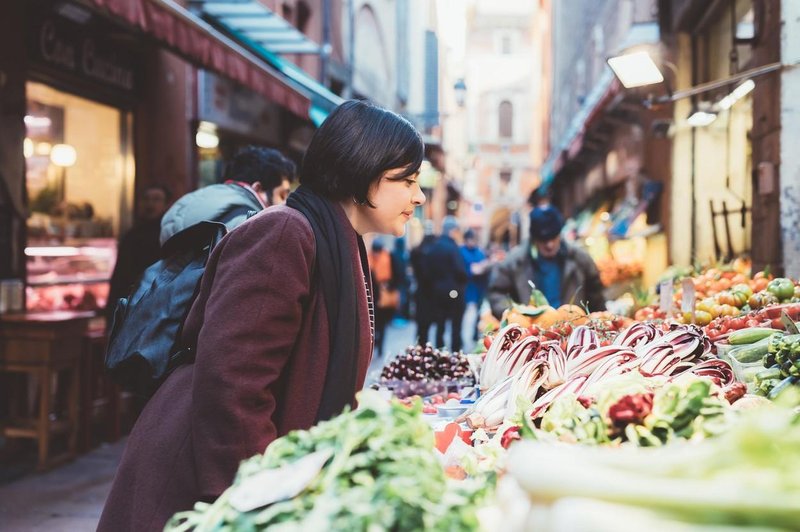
261,274
501,288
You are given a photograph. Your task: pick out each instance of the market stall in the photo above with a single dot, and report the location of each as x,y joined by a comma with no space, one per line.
568,421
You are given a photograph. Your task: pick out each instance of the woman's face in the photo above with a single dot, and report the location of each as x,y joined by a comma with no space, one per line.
395,200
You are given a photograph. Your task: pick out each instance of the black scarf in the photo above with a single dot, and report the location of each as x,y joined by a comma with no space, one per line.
334,273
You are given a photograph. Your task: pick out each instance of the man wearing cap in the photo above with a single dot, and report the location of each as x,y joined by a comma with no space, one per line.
563,272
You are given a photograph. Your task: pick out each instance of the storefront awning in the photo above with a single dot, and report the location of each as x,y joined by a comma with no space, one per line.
195,40
601,95
267,35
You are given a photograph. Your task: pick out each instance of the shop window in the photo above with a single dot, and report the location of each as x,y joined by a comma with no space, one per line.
79,172
506,117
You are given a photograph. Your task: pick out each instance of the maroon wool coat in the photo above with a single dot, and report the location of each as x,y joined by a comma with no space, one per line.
258,374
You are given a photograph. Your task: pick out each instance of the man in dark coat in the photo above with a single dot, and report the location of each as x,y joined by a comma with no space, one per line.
139,247
423,311
562,271
448,277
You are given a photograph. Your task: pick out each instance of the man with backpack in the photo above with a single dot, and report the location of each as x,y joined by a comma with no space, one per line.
254,179
144,339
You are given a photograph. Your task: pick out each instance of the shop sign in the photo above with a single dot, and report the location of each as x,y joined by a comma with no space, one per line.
237,109
69,47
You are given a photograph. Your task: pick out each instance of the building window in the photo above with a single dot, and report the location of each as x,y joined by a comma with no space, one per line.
505,176
506,119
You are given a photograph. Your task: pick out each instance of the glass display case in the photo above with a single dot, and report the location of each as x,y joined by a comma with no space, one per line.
79,179
71,276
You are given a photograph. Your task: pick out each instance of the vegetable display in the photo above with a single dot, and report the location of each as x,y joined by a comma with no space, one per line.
746,477
380,472
520,368
782,361
634,409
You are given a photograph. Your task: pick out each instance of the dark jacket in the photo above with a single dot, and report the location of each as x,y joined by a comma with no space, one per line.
580,280
138,249
422,296
263,346
447,272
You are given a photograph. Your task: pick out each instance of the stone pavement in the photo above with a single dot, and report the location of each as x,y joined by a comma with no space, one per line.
68,498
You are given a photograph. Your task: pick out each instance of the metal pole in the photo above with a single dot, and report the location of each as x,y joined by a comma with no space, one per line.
325,50
351,48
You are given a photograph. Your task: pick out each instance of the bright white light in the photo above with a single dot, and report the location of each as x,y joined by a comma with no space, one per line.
55,251
37,121
206,136
701,118
738,93
635,69
63,155
27,147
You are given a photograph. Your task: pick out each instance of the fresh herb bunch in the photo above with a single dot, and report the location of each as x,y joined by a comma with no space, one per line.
383,475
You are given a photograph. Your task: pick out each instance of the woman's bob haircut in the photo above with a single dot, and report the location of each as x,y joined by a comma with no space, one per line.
353,148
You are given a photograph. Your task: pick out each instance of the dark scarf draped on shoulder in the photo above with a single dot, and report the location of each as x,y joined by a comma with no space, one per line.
333,273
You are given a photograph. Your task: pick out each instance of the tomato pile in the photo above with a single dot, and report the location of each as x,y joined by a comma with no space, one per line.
765,317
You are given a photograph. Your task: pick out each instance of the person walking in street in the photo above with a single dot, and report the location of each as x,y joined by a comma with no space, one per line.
387,296
139,247
477,265
423,298
281,327
448,276
563,272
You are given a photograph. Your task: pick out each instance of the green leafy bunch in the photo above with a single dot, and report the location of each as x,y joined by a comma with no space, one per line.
383,475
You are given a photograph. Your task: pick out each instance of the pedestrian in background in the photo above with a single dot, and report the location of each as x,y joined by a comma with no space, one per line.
385,289
563,272
281,325
400,271
448,277
423,293
477,265
139,247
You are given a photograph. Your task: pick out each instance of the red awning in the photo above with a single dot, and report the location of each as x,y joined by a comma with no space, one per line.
196,41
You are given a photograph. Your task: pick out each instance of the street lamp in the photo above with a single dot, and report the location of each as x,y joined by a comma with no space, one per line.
63,156
635,69
460,90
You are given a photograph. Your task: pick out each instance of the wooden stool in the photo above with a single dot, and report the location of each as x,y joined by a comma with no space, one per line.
43,345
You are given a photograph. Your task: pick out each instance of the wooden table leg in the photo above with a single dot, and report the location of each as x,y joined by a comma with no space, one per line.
43,427
72,408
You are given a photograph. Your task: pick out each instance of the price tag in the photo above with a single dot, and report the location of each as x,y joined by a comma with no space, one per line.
273,485
688,299
665,295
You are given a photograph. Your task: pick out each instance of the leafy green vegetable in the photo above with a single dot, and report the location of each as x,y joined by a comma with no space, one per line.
383,475
744,477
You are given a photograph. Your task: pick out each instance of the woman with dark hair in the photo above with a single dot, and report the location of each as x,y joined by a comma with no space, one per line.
282,325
